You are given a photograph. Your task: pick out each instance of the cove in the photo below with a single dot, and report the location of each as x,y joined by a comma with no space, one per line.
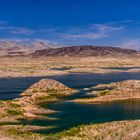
69,114
10,88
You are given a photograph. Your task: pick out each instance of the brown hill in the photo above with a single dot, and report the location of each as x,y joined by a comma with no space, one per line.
85,51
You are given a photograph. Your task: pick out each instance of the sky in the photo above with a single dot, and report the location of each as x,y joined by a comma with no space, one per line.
72,22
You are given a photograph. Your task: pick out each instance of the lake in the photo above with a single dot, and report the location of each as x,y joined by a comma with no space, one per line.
73,114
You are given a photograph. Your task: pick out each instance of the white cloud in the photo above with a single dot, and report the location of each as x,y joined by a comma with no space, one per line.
86,36
23,31
103,28
5,27
77,34
94,31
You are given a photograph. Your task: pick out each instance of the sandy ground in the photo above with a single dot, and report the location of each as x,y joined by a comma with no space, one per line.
27,66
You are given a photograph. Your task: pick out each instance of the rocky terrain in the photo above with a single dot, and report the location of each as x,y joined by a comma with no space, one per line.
124,90
121,130
85,51
27,107
48,90
48,86
41,48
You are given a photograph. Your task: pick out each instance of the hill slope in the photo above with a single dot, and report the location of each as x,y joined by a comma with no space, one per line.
14,48
85,51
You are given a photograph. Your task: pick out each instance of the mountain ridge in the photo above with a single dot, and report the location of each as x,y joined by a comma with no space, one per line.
41,48
21,48
85,51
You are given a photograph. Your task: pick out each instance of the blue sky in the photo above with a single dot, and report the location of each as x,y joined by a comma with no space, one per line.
72,22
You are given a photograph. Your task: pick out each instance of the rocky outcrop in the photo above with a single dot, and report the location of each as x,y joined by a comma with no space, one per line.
48,86
46,90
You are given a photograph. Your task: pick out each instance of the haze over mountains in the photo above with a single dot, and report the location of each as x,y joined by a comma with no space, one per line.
21,48
40,48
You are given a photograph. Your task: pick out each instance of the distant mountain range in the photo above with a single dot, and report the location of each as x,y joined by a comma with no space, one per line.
85,51
40,48
22,48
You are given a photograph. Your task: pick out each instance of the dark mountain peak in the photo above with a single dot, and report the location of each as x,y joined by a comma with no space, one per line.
84,51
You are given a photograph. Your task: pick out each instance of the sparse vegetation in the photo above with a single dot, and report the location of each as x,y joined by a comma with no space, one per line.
27,66
14,112
104,92
28,107
124,90
114,130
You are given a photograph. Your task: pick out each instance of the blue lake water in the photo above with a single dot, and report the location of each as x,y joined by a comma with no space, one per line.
10,88
73,114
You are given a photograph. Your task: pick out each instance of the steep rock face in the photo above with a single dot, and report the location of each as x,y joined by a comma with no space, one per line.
85,51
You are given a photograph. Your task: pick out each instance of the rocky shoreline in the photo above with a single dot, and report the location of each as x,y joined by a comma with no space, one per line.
124,90
48,72
27,107
119,130
48,90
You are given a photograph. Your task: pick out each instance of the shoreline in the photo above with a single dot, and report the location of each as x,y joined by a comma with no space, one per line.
90,101
115,91
31,110
36,67
73,71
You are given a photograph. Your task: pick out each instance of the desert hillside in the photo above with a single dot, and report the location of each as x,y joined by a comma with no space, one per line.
85,51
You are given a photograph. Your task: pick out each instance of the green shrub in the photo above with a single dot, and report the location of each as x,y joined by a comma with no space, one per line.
104,92
14,112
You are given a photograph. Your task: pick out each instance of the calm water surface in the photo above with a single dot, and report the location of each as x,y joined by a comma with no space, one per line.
72,114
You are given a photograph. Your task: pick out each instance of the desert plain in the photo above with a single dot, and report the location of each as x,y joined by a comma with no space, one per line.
47,91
